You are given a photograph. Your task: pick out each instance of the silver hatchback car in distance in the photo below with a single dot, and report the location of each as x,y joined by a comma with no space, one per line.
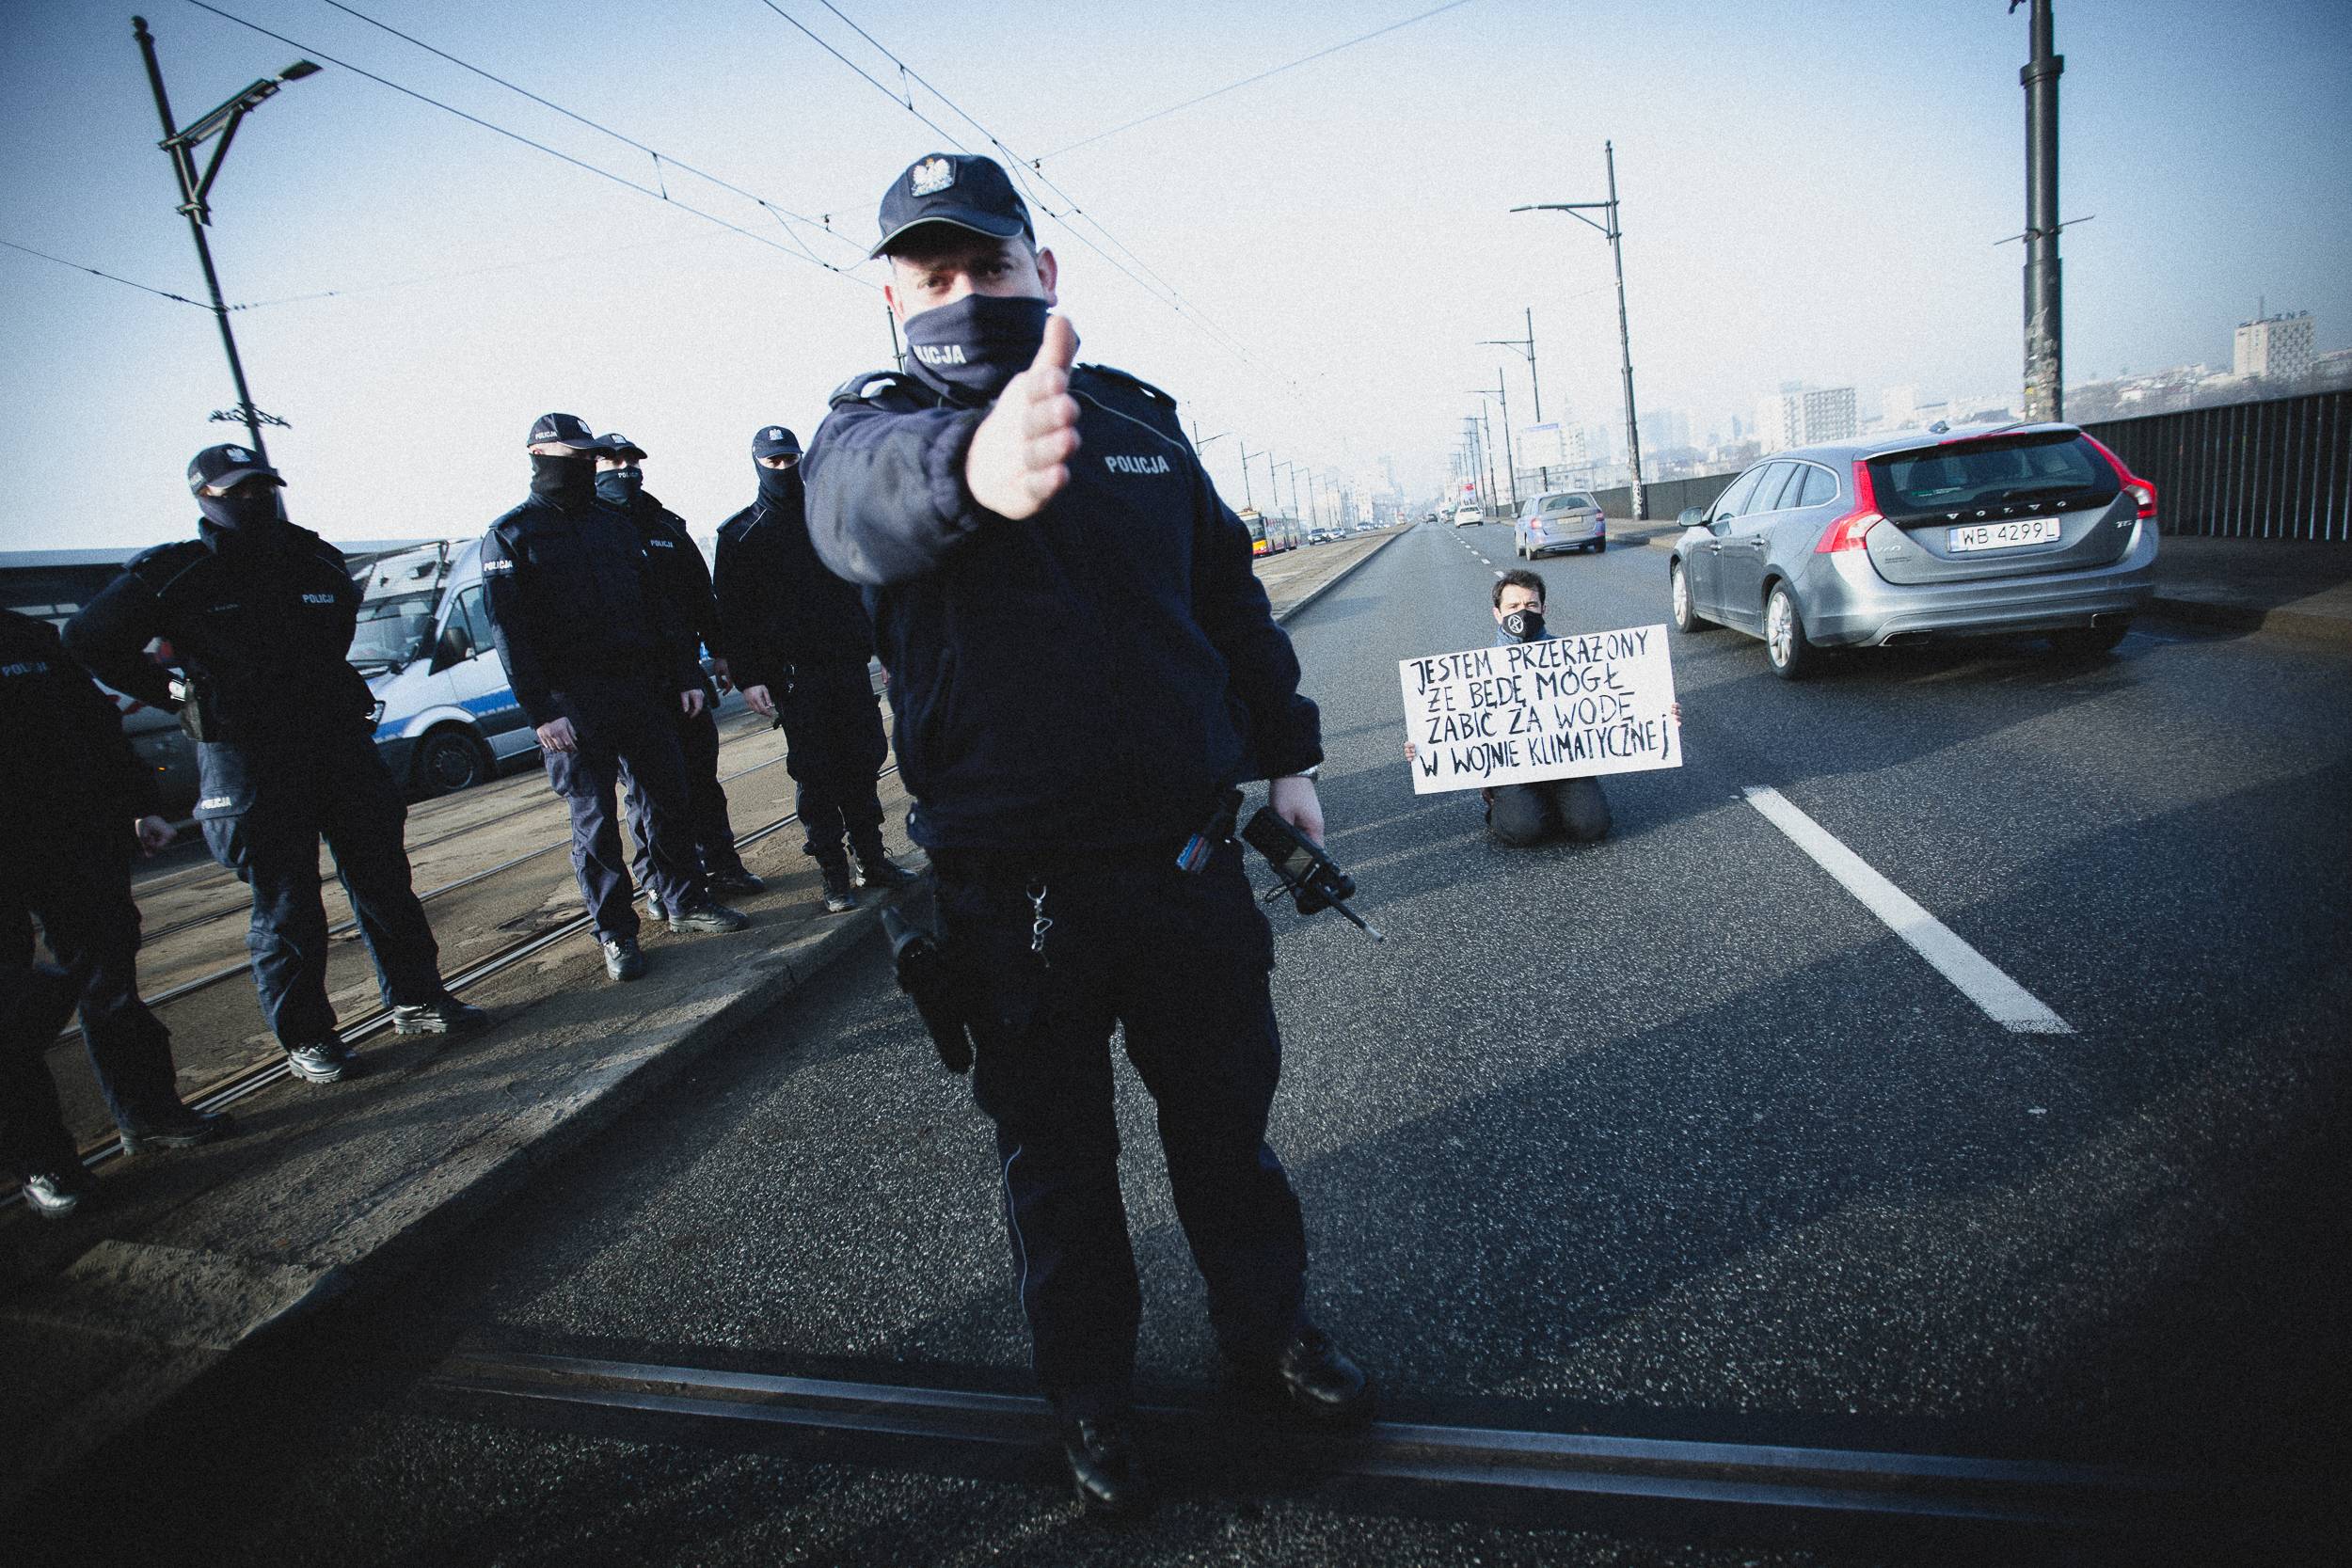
2020,529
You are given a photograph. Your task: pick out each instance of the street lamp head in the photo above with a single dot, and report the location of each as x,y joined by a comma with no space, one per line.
297,70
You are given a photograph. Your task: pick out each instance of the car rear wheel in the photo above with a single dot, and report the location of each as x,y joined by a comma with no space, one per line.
1792,653
2089,641
448,760
1686,616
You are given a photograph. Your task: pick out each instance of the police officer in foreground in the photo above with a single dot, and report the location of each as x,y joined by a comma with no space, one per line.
260,613
799,639
603,674
1082,661
684,583
65,857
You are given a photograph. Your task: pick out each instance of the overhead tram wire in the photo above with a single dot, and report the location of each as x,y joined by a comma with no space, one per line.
1166,292
159,293
657,156
796,249
1246,81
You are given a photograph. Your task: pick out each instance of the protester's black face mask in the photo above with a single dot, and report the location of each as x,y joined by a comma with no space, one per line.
620,485
970,349
1525,625
567,481
248,509
777,486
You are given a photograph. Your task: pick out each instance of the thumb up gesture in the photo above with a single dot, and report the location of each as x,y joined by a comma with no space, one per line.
1020,456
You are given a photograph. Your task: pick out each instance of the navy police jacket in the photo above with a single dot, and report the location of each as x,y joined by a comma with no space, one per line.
1090,677
679,573
75,766
574,604
261,621
778,604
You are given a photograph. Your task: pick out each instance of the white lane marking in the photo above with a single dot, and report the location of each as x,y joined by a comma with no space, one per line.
2002,999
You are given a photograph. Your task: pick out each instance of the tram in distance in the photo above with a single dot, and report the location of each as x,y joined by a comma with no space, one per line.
1269,535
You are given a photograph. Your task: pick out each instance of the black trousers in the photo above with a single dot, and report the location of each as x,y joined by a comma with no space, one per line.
76,883
706,802
1528,813
265,811
627,733
835,747
1182,962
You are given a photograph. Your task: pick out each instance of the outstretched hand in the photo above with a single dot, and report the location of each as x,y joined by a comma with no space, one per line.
1020,455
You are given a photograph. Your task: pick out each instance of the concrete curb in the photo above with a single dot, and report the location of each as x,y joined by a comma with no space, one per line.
160,1319
2299,626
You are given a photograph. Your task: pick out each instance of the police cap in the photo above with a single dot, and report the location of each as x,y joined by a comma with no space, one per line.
614,444
775,441
563,430
962,188
218,468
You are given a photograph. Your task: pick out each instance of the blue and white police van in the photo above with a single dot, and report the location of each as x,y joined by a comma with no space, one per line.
449,719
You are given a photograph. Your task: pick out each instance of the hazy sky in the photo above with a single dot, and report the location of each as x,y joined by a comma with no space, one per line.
1815,200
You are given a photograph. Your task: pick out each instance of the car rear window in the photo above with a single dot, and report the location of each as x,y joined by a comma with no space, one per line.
2052,468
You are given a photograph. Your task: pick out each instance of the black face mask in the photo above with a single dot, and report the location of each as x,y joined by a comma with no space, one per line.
779,486
1525,625
565,481
620,486
248,510
970,349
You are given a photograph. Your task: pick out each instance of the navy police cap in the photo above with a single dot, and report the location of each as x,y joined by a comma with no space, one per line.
775,441
218,468
962,188
614,444
563,430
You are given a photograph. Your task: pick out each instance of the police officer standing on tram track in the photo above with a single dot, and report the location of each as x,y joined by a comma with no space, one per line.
603,673
1082,661
74,804
259,613
684,583
799,639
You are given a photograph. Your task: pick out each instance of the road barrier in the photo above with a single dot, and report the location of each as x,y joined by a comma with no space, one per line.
2276,468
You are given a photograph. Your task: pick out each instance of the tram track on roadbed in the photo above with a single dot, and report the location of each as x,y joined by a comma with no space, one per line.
345,927
260,1075
657,1403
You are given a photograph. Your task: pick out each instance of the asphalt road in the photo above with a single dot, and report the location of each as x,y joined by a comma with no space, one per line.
1666,1136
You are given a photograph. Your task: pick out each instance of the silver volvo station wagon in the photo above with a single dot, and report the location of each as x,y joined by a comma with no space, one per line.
2031,528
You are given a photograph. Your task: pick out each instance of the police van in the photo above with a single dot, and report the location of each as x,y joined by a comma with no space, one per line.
449,717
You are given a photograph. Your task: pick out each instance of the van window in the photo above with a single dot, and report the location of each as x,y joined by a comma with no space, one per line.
477,618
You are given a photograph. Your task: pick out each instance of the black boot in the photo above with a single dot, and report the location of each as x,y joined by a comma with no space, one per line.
839,897
1101,1453
1309,1378
875,868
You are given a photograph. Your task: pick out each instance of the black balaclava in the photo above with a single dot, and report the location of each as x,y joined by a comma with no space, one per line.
1525,625
248,513
778,487
620,486
970,349
565,481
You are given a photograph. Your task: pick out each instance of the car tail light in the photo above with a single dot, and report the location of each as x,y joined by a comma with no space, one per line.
2142,490
1846,533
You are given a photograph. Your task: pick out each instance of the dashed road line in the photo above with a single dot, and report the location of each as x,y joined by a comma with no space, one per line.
2001,999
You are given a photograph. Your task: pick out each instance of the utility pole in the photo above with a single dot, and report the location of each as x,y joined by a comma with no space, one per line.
2046,393
1527,346
195,190
1615,236
1247,458
1510,465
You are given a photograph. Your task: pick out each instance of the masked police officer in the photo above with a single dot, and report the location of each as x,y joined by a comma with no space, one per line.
260,613
65,849
800,640
684,583
601,670
1082,660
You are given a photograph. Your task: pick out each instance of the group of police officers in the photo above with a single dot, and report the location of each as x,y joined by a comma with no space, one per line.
1082,664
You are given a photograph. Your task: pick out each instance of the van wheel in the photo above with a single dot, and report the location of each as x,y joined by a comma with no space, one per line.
448,760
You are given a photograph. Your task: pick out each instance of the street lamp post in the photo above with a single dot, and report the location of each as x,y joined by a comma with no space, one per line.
1527,346
1615,237
1510,463
196,189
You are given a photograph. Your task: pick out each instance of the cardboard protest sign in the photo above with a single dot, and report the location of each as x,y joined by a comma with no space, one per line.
1597,702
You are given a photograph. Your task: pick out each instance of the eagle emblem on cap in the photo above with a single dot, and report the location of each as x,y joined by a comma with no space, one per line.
236,455
931,176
